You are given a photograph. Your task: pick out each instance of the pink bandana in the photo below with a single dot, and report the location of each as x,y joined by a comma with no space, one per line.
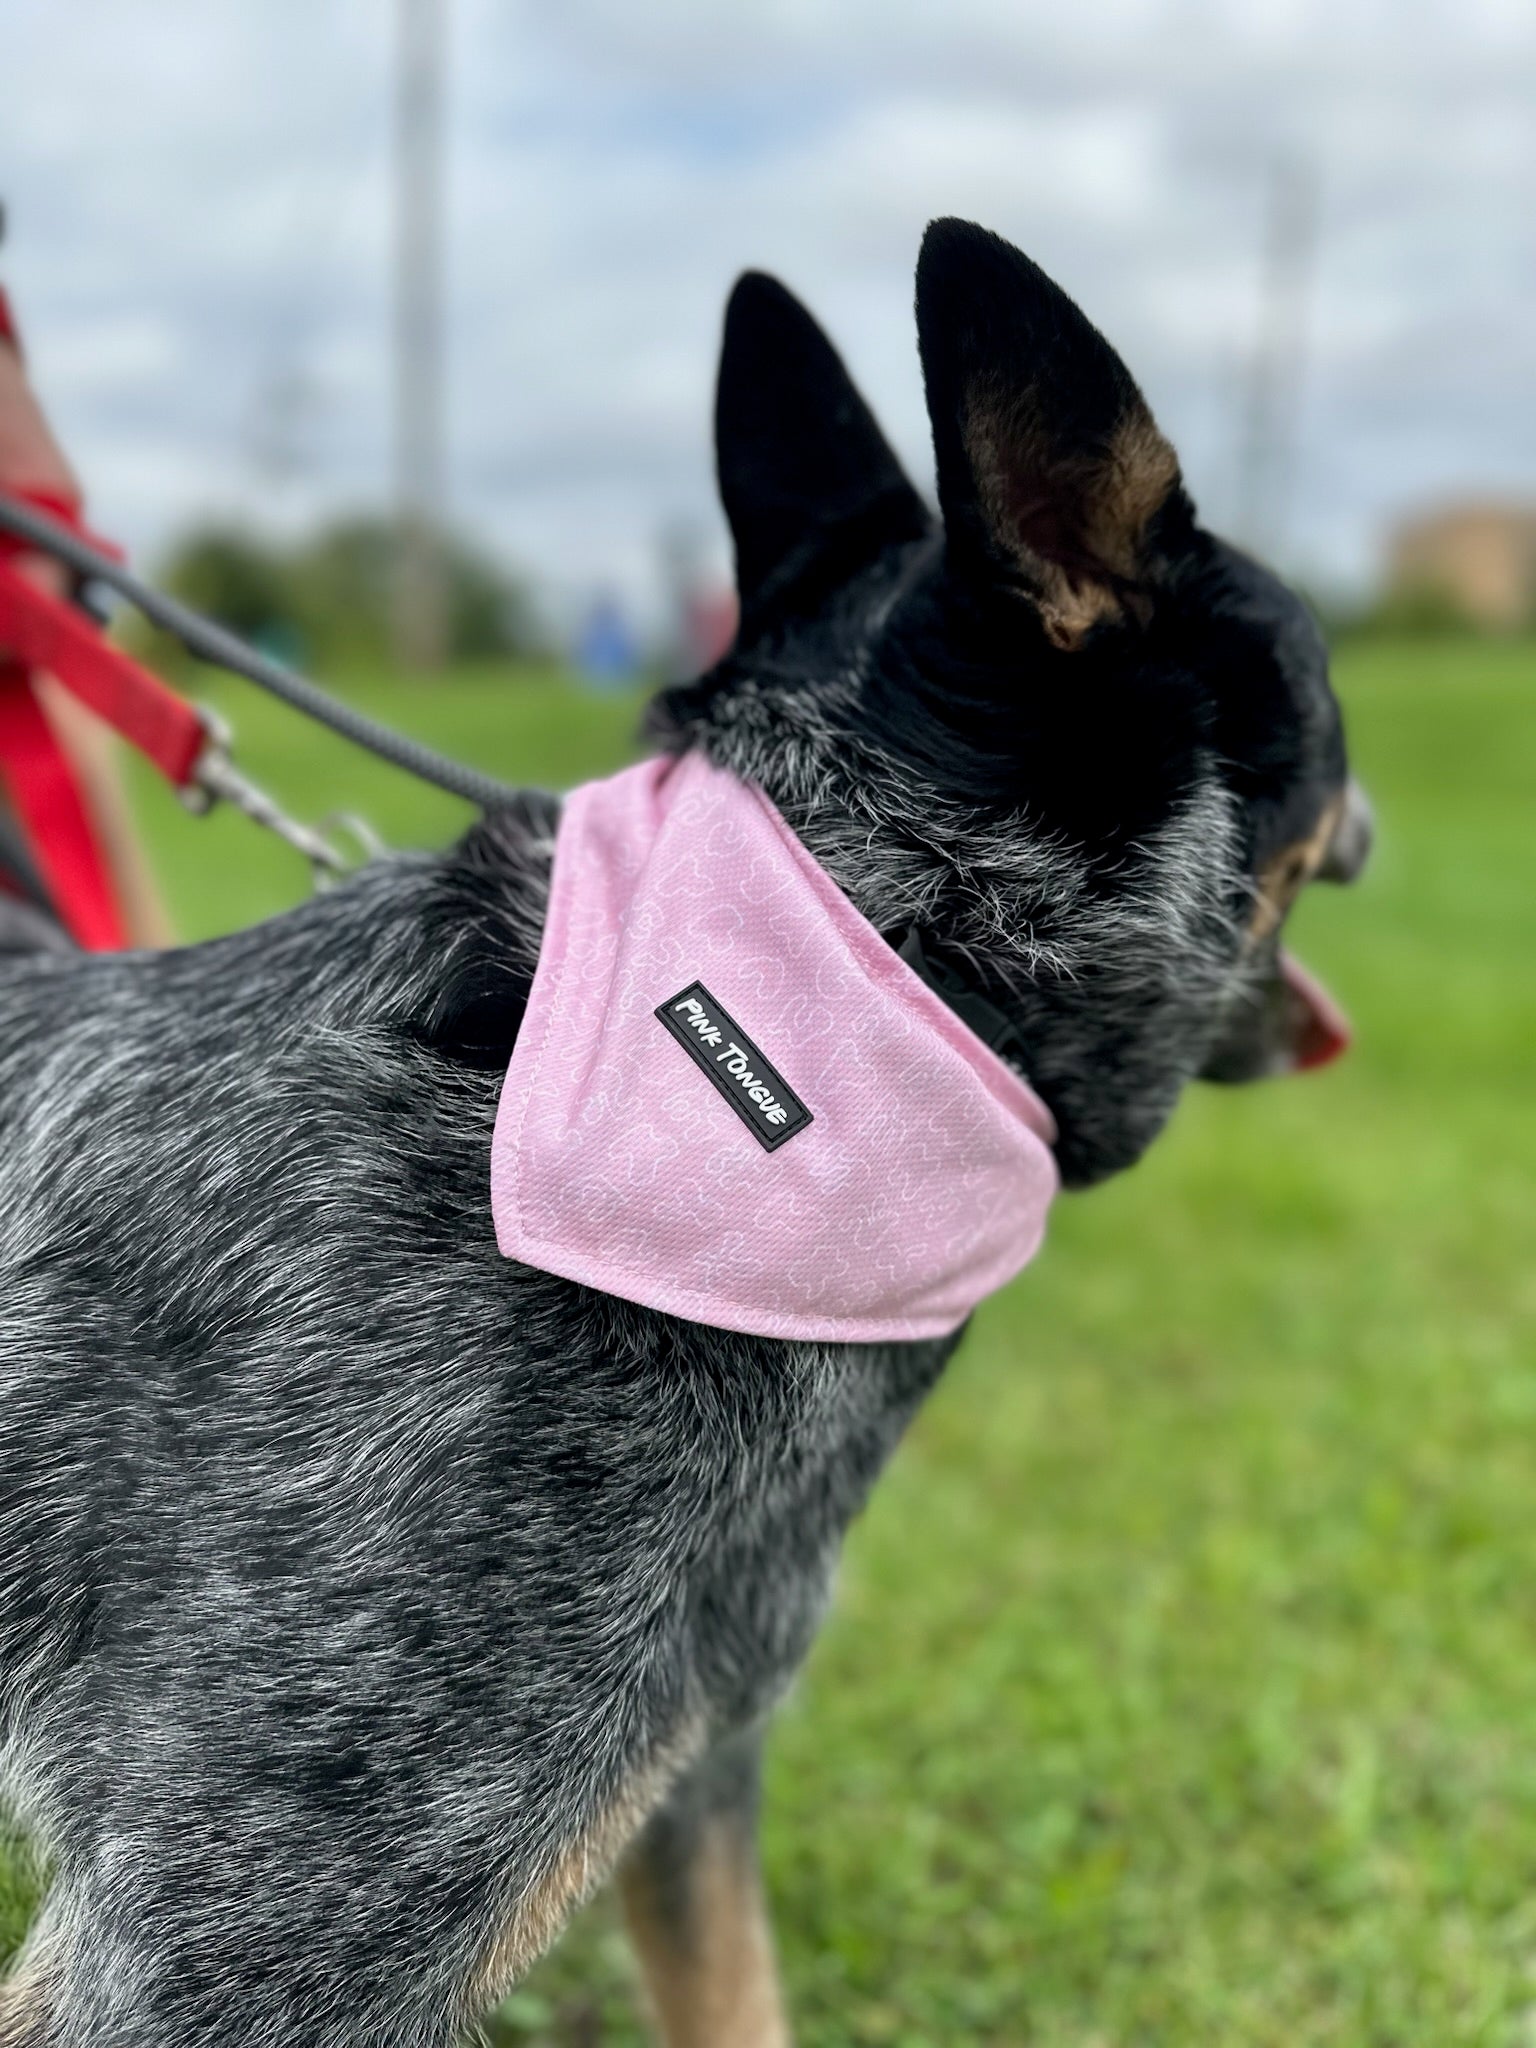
731,1101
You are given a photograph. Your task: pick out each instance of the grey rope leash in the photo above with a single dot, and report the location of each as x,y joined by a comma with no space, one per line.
212,643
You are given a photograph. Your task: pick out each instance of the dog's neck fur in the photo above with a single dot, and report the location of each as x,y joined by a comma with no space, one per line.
997,887
1064,940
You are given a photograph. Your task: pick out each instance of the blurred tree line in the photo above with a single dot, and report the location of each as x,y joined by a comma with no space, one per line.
1416,612
327,599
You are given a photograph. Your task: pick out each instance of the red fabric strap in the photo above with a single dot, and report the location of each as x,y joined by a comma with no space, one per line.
46,633
42,634
40,783
53,502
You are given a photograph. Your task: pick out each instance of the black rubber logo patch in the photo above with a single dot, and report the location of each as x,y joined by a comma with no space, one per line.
760,1096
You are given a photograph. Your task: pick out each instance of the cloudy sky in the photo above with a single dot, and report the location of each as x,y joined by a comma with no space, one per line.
199,191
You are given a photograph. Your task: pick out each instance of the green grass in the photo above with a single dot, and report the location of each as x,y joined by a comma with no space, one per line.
1182,1687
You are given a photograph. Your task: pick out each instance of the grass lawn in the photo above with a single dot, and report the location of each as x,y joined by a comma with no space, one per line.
1182,1688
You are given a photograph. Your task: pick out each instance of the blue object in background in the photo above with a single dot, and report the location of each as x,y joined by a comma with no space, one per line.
607,652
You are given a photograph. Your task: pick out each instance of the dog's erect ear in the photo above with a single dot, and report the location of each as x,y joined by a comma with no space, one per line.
809,484
1051,469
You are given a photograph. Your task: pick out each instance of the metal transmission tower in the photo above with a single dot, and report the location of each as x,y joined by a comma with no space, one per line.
1271,411
420,594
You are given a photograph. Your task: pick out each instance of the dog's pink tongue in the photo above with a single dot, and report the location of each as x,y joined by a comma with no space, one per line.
1320,1028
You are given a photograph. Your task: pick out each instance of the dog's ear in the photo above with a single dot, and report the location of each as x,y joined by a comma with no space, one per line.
809,484
1052,473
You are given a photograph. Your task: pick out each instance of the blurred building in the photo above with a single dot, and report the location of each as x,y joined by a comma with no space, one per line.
1477,558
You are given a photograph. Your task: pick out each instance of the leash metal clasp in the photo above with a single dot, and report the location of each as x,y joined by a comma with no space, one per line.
216,779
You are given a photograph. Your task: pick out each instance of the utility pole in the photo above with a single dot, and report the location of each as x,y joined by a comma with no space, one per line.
1271,411
420,622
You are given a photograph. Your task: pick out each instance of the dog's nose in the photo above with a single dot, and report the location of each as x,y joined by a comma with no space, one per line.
1350,847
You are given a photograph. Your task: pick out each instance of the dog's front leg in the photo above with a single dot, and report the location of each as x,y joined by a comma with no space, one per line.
693,1898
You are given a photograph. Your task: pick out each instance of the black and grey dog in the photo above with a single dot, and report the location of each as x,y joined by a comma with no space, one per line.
365,1597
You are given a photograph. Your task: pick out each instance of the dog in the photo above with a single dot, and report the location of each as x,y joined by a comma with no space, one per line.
366,1597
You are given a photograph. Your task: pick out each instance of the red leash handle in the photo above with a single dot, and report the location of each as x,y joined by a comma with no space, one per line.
40,783
41,634
47,634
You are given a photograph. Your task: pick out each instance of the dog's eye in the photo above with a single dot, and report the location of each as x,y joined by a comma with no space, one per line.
1331,851
1282,879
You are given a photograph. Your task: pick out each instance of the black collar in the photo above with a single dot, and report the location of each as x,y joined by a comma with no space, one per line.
977,1012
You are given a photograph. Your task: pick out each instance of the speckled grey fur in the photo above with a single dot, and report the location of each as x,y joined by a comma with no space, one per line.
348,1573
